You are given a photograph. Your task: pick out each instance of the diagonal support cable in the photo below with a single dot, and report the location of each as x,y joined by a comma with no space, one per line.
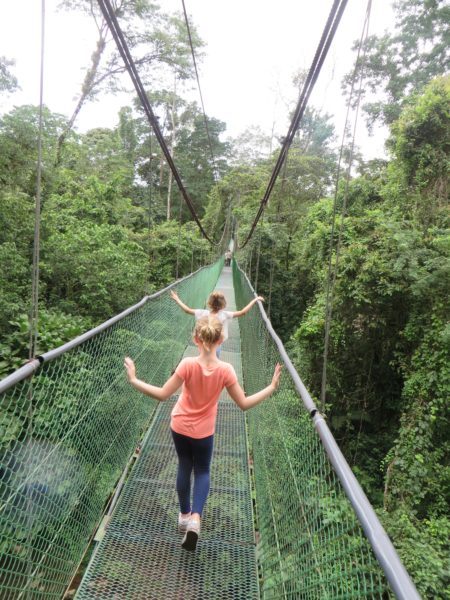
316,65
118,36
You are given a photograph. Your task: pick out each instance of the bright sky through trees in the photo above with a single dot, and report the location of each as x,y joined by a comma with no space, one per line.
253,48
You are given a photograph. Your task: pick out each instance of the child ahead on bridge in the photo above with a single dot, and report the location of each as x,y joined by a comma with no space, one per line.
193,417
216,305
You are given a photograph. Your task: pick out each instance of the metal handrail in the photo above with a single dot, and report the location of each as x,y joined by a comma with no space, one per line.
31,367
384,550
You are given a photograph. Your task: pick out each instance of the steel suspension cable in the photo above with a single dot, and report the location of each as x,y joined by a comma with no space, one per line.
178,241
319,57
118,36
215,172
258,255
224,230
34,308
272,250
332,272
37,218
150,190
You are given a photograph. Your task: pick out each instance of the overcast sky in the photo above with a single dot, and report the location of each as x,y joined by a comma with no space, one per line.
253,47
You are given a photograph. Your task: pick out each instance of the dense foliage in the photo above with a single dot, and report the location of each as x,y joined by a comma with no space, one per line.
388,378
105,240
403,61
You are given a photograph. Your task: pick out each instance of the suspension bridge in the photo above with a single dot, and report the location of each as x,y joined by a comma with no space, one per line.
285,519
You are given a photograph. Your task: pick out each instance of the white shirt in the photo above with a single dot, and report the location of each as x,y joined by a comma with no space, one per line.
224,317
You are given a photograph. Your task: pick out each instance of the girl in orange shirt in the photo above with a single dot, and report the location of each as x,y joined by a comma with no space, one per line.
193,417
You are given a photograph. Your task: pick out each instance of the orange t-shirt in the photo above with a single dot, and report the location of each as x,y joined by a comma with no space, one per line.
195,412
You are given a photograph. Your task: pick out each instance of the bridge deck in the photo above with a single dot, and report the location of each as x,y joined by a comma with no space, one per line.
140,556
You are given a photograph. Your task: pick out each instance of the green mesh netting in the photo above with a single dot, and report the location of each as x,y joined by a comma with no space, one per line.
67,433
311,545
140,556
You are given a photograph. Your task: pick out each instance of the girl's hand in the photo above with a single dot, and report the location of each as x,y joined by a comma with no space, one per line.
130,368
259,298
276,376
174,295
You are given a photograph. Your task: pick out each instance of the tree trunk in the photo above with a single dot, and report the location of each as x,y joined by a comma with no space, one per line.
86,89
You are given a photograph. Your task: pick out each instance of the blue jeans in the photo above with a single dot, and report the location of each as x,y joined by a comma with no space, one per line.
193,454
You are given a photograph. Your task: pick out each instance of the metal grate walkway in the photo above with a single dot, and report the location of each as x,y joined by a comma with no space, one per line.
140,556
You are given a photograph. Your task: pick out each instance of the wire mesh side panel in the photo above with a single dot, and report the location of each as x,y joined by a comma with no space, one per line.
140,556
311,543
67,433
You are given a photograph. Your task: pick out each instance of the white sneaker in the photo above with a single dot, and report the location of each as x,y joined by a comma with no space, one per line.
191,536
183,522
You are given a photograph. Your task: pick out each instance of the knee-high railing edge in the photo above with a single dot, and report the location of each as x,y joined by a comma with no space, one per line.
380,542
31,367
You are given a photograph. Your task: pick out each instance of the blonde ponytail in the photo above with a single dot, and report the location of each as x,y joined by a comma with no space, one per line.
208,331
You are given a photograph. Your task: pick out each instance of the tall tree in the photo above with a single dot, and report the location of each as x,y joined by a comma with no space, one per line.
154,39
19,130
194,154
400,63
250,147
182,124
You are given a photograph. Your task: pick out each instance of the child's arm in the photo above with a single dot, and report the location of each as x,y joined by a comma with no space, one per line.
189,311
244,311
160,393
245,402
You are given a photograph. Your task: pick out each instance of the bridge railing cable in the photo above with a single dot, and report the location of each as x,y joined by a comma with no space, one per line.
319,535
59,463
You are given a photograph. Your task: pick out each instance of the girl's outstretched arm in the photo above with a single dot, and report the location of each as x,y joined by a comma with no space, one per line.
160,393
245,402
185,307
244,311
